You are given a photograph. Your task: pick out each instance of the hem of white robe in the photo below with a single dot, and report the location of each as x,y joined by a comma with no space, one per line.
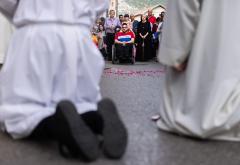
23,127
2,58
223,137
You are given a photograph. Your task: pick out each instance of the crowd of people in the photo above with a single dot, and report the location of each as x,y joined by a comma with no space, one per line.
51,75
145,33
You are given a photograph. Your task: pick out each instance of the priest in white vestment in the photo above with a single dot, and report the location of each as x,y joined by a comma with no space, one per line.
200,47
51,57
49,84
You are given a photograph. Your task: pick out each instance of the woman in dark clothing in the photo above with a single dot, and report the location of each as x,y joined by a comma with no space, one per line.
143,40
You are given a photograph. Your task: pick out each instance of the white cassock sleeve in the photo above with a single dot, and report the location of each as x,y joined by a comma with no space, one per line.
8,8
101,6
178,31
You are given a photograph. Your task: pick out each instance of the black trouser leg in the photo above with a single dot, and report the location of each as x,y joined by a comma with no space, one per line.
109,42
103,52
118,50
70,132
45,129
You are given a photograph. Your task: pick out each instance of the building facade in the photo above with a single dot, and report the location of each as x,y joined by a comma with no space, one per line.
113,5
155,9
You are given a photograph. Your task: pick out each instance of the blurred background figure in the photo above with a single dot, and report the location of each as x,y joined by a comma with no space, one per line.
110,25
121,18
151,18
134,23
143,40
102,41
127,21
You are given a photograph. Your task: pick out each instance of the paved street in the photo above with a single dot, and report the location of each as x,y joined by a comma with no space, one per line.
136,91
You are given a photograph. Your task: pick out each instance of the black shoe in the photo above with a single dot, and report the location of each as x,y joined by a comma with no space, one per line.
115,135
94,121
74,134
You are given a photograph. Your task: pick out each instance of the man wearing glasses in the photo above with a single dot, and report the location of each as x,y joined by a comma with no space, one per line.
124,41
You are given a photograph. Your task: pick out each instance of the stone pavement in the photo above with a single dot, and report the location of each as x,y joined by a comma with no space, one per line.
136,91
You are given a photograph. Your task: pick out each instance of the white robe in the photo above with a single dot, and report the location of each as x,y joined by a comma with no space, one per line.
5,34
51,57
204,100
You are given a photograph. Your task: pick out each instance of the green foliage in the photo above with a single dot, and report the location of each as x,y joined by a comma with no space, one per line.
144,3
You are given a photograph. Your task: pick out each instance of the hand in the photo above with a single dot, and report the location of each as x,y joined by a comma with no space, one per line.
182,67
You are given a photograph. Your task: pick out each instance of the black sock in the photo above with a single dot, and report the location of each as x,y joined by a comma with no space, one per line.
94,120
45,129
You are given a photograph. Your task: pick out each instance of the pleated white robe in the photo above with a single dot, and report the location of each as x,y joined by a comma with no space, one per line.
204,100
5,35
51,57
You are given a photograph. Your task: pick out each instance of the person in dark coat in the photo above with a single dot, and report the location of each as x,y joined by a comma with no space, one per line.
143,40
